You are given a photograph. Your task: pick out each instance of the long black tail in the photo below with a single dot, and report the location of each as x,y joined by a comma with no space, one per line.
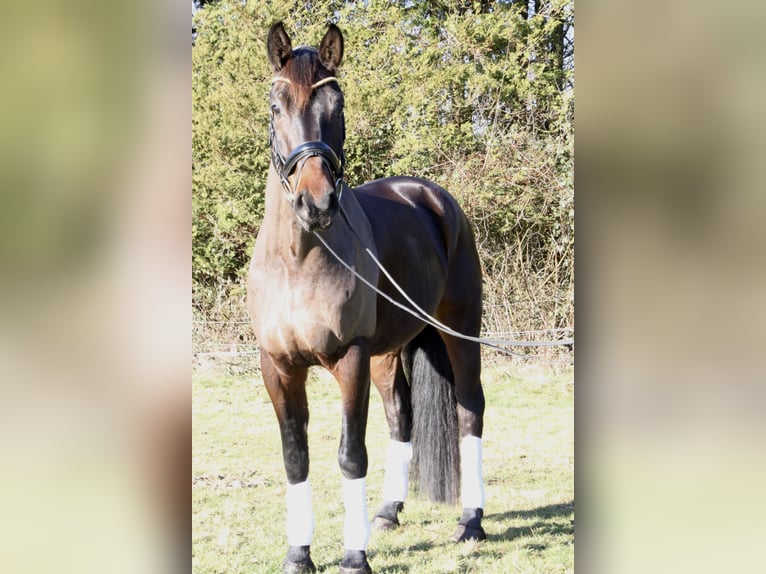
436,455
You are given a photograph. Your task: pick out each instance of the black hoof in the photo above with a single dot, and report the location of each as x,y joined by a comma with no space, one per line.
466,533
387,518
298,561
469,527
380,523
355,562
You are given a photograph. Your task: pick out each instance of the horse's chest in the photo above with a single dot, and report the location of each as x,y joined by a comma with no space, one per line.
314,315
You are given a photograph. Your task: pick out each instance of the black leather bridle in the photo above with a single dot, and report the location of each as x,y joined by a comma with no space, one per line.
286,166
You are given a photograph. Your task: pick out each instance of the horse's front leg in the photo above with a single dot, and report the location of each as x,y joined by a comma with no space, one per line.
352,371
286,386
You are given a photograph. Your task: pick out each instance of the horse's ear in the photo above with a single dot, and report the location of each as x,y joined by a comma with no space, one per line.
331,48
278,46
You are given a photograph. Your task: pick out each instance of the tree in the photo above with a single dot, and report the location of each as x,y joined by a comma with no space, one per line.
473,95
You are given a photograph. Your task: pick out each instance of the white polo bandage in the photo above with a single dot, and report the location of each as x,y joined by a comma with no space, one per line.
300,515
471,483
395,480
356,528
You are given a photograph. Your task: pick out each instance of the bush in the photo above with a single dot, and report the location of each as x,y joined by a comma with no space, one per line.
474,96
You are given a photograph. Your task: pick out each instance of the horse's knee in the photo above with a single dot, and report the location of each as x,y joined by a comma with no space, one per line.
353,462
296,466
295,453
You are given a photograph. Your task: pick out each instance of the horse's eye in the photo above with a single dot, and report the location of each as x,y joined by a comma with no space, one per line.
275,109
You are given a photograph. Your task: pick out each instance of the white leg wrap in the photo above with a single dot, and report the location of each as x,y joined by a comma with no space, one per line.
300,515
397,470
356,529
471,483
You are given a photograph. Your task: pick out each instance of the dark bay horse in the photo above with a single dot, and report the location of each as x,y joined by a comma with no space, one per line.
308,309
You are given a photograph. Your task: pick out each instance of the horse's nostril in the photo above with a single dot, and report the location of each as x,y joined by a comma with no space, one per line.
299,200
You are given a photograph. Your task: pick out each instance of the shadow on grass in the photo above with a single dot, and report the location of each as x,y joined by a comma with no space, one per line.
405,549
332,565
551,520
548,523
391,568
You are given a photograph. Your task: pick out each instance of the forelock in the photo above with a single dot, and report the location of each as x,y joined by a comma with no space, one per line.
302,70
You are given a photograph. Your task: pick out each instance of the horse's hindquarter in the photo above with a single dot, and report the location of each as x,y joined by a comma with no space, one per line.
417,228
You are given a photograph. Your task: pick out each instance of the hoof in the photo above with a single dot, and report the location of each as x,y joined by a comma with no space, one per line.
465,533
469,527
355,562
380,523
299,567
387,518
298,561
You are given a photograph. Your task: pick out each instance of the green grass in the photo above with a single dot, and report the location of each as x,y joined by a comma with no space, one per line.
238,490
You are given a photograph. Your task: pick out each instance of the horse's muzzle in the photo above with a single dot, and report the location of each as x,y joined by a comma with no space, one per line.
314,214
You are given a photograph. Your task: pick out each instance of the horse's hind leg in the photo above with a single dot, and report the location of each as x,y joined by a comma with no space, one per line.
389,379
286,386
465,358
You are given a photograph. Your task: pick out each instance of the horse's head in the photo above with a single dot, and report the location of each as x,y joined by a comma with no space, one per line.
307,127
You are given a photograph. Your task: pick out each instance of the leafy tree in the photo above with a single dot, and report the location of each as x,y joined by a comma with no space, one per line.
476,96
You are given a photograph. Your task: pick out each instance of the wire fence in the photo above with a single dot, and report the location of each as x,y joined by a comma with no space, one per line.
231,344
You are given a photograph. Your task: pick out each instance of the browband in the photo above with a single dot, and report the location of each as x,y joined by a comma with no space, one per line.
314,86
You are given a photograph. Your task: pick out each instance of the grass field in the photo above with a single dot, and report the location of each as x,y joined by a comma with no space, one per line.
238,481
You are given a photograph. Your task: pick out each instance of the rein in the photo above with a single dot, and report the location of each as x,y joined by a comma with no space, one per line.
418,312
286,166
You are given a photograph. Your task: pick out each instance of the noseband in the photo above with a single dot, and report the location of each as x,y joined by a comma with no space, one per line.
286,167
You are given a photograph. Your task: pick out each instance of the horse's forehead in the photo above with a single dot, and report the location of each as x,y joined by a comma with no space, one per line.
301,72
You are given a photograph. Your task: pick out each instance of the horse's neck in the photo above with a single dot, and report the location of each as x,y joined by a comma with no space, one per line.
286,238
